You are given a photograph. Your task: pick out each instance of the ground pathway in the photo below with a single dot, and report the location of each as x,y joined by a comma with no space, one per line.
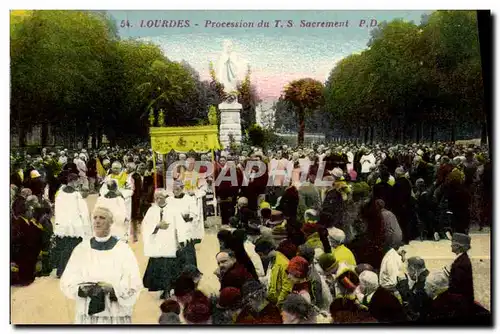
43,302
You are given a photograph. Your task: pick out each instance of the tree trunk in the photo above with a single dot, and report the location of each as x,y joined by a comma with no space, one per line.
453,132
403,134
22,136
432,132
484,133
94,140
44,134
302,127
371,134
99,137
397,133
419,134
365,135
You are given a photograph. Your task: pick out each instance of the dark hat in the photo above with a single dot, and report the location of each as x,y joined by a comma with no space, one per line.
298,267
385,307
276,217
348,279
416,262
460,238
297,305
287,248
264,245
169,319
310,228
72,177
170,306
183,286
307,252
230,298
197,312
327,261
252,288
191,271
362,267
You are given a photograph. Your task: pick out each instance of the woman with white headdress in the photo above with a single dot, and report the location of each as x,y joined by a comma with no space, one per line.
368,284
102,276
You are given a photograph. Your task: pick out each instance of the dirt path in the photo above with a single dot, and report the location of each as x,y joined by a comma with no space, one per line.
43,302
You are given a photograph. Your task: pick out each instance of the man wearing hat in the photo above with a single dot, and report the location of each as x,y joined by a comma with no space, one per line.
228,306
416,296
461,281
257,308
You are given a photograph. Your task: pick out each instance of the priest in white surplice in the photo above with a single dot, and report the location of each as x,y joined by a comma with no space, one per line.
125,185
114,201
103,276
184,211
72,222
160,238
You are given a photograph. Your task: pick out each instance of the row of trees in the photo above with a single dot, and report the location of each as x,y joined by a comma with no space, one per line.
412,81
72,74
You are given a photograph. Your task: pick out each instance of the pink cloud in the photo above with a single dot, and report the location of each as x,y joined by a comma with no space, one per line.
270,84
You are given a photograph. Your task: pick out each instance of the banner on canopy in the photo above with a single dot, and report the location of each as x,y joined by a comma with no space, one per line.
184,139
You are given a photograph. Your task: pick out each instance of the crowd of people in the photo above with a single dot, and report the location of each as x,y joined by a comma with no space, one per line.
319,234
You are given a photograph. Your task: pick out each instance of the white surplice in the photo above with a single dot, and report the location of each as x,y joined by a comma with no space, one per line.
178,207
390,269
72,217
126,192
118,267
159,243
121,226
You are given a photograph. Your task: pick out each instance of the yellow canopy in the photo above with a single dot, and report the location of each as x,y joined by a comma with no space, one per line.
184,139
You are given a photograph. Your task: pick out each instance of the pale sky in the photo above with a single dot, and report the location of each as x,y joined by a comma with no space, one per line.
276,55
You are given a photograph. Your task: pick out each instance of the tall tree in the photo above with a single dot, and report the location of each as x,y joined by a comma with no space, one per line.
57,70
306,95
249,99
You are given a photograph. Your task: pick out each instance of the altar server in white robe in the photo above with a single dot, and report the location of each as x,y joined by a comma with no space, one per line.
72,222
115,202
160,237
195,185
125,186
185,214
102,276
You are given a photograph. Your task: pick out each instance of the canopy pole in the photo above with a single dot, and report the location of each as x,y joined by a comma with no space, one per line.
164,171
154,170
213,183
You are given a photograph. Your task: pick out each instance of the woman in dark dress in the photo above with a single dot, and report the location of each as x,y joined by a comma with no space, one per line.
26,243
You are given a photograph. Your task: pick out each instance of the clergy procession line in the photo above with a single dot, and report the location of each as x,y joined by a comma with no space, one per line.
307,233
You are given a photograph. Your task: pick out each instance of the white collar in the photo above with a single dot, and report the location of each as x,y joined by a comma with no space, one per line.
103,239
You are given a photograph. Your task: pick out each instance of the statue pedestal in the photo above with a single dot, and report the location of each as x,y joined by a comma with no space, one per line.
230,123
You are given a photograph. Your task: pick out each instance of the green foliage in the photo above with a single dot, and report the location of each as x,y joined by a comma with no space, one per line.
409,75
212,115
249,99
306,95
256,135
360,190
71,67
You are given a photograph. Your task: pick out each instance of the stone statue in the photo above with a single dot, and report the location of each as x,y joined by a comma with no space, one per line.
229,68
